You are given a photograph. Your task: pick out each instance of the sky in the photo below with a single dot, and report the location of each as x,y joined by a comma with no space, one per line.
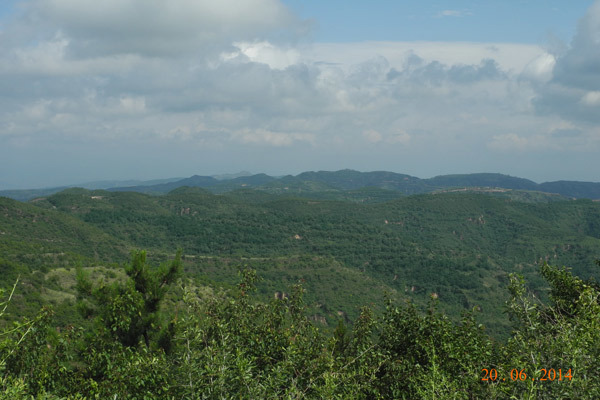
148,89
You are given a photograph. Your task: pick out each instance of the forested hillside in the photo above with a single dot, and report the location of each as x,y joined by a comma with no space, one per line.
459,245
454,251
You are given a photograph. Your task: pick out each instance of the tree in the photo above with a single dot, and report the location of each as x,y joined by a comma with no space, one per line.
130,310
553,340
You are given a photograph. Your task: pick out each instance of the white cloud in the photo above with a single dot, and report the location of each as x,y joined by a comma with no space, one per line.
400,137
591,98
453,13
509,141
372,136
267,53
209,77
546,139
133,105
37,111
158,27
510,57
572,91
540,68
397,137
270,138
179,133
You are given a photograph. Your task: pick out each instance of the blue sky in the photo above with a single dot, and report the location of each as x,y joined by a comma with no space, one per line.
480,21
6,8
131,89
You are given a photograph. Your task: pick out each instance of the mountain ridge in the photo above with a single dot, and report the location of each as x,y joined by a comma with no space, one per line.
342,181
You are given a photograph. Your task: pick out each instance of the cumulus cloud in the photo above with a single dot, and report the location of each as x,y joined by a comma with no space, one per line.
540,68
158,27
417,70
511,57
265,52
572,91
223,77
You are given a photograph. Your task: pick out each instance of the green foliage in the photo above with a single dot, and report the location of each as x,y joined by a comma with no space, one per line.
22,353
130,311
562,336
230,346
233,348
446,253
435,357
459,245
37,236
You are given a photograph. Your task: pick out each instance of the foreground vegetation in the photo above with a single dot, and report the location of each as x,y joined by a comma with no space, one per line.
138,344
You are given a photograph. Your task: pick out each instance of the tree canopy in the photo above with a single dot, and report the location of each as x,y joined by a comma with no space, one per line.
228,345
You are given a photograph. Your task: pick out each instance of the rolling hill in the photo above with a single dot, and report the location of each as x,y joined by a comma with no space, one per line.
460,245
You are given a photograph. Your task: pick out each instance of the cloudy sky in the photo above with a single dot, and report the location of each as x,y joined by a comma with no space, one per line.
142,89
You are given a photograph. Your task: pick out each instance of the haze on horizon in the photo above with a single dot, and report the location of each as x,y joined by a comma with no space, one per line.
130,89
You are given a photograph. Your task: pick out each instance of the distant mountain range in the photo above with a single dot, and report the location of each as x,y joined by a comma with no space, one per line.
382,185
28,194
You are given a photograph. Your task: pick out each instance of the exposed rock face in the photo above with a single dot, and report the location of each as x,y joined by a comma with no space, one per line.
280,295
341,314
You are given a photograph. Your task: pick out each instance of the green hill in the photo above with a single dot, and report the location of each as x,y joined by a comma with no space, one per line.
28,232
585,190
459,245
481,180
397,297
194,181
